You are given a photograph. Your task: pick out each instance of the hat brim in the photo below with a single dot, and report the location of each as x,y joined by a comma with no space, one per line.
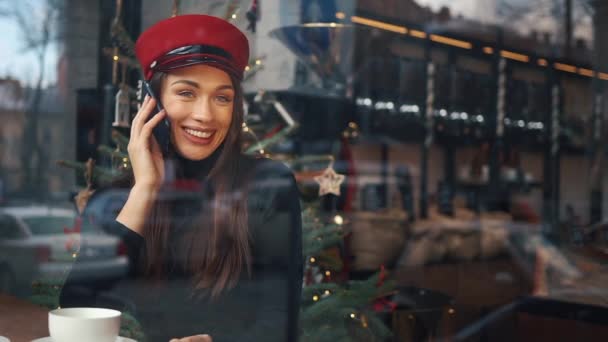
186,61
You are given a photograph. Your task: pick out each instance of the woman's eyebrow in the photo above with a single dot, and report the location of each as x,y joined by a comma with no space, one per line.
225,86
196,85
191,83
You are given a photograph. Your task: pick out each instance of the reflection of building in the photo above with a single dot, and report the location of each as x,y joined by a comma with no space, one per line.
52,140
12,107
392,60
14,100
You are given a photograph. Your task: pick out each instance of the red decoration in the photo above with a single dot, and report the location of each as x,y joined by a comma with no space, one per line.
77,227
273,131
382,277
383,304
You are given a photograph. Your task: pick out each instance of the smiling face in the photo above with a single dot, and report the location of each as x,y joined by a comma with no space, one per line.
199,101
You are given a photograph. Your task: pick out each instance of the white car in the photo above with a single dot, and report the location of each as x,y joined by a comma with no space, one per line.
39,243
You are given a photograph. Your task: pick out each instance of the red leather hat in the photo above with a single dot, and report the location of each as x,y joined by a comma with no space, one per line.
192,39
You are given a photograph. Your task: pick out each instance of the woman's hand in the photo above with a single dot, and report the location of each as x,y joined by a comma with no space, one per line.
144,152
197,338
148,168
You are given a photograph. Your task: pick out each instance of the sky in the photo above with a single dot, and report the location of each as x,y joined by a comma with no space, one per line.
19,63
468,8
486,11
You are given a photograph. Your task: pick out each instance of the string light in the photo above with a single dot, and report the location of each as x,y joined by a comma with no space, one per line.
327,293
451,311
565,67
451,41
247,68
515,56
315,298
234,16
312,260
261,151
74,255
364,321
115,57
327,273
418,34
258,62
353,316
378,24
338,220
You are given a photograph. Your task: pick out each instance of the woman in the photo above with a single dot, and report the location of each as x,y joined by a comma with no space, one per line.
216,251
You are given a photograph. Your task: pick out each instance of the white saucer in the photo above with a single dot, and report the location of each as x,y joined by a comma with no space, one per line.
4,339
49,339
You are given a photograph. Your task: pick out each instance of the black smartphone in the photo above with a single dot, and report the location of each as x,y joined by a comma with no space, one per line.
162,130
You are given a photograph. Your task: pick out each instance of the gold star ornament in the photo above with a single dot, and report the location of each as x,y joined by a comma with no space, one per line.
329,182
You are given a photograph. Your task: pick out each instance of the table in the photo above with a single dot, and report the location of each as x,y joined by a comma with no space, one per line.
22,321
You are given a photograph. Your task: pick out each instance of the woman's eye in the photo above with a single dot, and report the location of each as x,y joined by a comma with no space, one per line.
224,98
186,93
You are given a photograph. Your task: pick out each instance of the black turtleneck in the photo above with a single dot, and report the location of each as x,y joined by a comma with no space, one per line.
195,169
263,307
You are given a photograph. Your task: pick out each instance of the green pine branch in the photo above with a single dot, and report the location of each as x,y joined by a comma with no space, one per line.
111,152
377,326
275,139
100,175
319,289
329,261
121,36
333,311
120,140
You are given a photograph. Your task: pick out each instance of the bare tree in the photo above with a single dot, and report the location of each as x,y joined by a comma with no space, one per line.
38,22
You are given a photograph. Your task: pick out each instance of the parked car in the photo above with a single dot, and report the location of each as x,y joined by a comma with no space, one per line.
40,243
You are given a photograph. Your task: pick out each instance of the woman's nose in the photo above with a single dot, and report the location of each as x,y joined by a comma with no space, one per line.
203,110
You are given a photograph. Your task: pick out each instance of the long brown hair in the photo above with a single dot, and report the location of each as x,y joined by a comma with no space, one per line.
218,249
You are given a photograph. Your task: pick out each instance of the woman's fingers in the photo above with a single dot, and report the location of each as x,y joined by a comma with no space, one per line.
146,130
142,116
136,117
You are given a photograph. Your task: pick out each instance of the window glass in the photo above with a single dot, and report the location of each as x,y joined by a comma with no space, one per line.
312,170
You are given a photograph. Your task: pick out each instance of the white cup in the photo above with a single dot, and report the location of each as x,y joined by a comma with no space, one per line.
84,324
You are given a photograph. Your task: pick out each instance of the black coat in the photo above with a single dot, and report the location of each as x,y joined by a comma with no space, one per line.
263,307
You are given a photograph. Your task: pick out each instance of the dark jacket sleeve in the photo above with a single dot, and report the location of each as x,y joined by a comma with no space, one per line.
276,227
95,289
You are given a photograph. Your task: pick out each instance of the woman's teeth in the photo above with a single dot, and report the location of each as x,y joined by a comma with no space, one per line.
198,133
